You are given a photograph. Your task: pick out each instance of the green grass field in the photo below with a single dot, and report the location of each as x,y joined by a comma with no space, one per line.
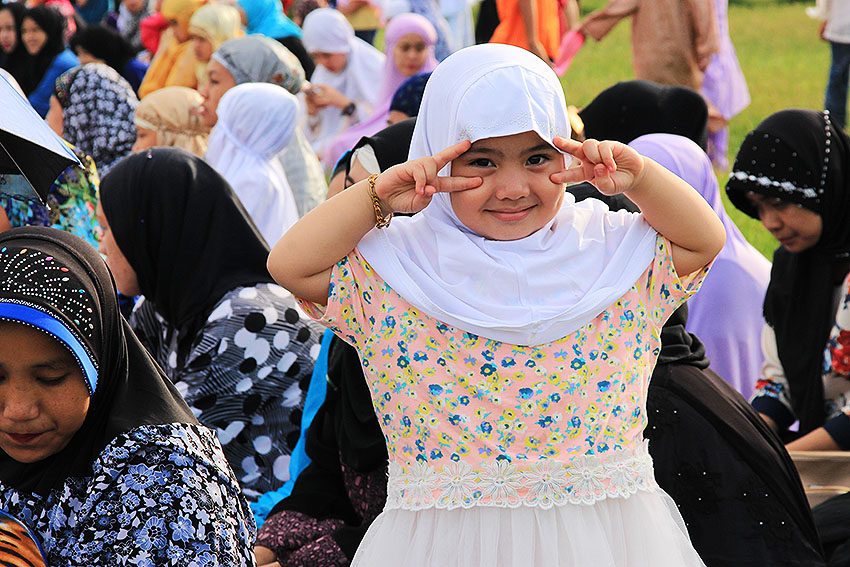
784,61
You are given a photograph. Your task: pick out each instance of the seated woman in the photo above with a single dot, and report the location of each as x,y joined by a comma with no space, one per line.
258,59
209,27
255,123
42,34
175,62
101,458
92,108
233,342
726,314
168,117
409,46
790,173
266,17
343,87
100,44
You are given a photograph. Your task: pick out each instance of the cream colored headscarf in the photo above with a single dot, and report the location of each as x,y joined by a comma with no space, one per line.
216,23
169,113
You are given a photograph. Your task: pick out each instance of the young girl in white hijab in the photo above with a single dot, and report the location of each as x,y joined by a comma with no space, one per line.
507,333
346,84
255,123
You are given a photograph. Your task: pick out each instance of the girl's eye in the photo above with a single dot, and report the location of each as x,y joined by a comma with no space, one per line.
538,159
481,162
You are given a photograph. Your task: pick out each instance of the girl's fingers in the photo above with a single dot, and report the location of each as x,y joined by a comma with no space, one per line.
450,154
572,175
420,179
606,152
591,151
452,184
570,146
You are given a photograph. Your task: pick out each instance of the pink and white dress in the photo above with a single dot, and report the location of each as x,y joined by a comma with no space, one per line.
506,455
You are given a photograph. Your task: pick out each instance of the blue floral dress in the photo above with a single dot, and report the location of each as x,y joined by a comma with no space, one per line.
158,495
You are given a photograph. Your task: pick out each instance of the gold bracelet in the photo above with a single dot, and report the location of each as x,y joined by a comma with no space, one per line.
381,220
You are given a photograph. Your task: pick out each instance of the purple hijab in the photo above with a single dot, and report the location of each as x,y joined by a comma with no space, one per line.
727,312
398,27
724,85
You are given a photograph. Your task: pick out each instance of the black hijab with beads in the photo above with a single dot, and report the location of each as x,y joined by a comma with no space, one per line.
800,157
62,276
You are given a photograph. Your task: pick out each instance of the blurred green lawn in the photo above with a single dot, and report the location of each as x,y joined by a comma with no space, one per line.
784,61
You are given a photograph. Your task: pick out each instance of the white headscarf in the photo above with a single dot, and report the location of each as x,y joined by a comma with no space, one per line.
255,123
326,30
529,291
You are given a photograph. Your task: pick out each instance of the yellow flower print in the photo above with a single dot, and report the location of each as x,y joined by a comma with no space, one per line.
423,409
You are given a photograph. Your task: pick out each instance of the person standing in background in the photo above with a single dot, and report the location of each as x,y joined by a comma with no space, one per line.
672,40
836,30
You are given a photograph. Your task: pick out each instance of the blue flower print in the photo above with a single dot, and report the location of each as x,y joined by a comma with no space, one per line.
182,529
464,400
420,356
488,369
603,385
152,534
486,427
555,397
545,421
402,362
436,454
488,355
435,389
140,478
577,363
508,362
525,393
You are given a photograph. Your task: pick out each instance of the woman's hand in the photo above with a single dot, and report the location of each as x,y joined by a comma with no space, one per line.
408,187
320,96
610,166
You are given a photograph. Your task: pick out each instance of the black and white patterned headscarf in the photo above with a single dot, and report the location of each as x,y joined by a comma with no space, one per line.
98,106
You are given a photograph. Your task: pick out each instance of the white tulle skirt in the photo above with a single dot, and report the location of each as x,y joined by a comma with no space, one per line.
642,530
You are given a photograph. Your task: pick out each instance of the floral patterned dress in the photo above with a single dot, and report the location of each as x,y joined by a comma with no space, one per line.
71,203
158,495
506,454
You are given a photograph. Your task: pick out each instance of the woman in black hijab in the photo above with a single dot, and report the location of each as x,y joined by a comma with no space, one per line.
101,459
791,173
233,342
42,33
631,109
12,51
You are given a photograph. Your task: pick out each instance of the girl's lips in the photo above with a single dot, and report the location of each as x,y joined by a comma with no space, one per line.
511,216
23,438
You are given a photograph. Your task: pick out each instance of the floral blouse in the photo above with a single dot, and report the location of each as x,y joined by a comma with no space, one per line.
71,203
159,495
472,421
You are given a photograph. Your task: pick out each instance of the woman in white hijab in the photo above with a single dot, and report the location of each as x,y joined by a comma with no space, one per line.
255,123
259,59
346,83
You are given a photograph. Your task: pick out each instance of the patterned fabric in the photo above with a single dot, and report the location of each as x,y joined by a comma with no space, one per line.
245,377
158,495
98,106
71,203
472,421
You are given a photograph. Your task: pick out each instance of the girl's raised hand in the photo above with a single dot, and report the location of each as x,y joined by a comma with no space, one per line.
609,166
408,187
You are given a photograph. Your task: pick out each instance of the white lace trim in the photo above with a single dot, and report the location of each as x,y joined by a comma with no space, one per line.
584,480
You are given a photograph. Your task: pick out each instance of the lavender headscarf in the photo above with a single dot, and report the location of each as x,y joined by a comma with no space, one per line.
398,27
726,313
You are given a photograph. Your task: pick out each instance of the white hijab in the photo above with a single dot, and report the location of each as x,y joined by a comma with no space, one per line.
328,31
530,291
255,123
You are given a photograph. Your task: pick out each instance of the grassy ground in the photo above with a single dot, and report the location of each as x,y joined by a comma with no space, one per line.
780,52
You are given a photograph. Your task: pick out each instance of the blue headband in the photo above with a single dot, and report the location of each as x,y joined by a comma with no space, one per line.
47,323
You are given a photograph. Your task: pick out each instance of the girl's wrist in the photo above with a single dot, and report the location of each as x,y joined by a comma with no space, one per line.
639,179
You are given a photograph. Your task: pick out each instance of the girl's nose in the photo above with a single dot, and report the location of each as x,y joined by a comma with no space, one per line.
513,184
770,218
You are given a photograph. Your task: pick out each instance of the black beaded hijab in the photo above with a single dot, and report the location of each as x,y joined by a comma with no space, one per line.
59,284
184,232
631,109
799,156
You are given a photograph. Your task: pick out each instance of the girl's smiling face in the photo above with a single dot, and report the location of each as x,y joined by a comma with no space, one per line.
516,198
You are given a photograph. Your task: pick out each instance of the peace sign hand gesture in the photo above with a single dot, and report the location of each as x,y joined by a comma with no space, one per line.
610,166
408,187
